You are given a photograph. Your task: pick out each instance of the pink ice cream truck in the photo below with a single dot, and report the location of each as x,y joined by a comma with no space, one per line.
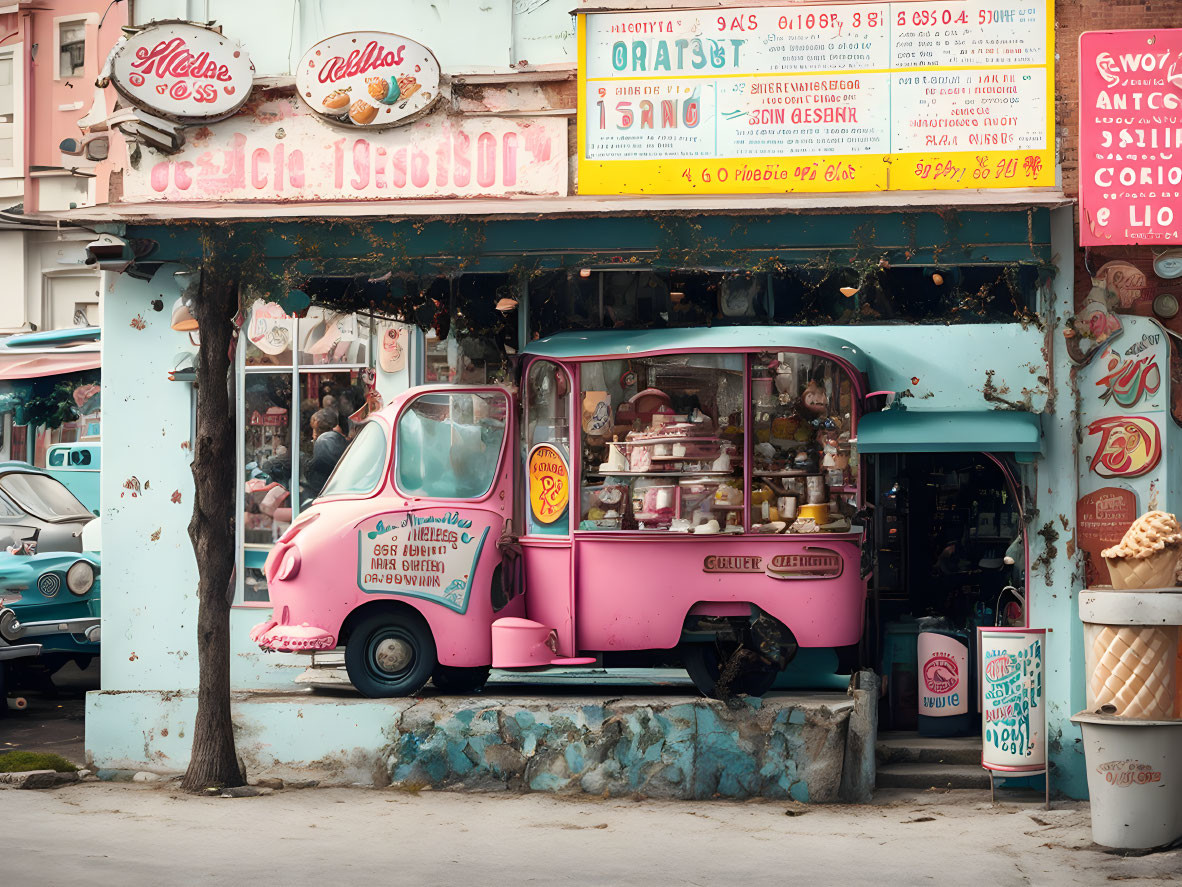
695,491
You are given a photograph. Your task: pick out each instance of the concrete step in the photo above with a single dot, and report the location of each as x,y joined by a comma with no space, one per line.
910,748
924,776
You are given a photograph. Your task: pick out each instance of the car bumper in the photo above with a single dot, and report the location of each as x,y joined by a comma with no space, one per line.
19,652
12,629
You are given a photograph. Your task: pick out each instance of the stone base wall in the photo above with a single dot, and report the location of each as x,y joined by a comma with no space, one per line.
785,746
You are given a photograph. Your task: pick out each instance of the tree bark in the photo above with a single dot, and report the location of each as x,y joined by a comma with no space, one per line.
213,761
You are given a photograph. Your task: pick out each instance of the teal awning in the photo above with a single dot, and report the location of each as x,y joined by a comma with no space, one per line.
968,431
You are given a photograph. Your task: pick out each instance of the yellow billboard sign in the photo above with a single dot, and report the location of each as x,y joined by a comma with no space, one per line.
805,98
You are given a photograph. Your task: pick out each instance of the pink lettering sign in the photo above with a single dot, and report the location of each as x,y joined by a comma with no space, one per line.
1130,133
280,152
183,72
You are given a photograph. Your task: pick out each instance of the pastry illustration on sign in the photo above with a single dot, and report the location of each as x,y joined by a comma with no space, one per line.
368,79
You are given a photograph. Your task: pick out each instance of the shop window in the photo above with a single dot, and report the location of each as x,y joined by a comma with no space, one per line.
647,299
471,327
662,444
333,338
449,445
547,421
295,418
71,39
804,461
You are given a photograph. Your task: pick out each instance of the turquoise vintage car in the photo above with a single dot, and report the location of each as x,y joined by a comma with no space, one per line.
51,599
49,572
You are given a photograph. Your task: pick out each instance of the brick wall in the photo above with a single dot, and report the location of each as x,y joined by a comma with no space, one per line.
1072,19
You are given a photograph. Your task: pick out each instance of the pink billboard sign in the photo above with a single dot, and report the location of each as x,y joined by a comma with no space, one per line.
277,150
1130,130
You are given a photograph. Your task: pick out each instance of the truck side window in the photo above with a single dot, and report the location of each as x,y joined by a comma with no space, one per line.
449,444
547,421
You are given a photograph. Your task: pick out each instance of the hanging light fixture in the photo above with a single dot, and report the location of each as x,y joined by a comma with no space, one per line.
187,281
183,320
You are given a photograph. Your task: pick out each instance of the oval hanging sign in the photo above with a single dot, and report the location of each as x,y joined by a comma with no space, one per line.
182,72
368,79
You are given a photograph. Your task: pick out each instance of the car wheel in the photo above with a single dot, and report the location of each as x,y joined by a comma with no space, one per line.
449,679
390,654
706,661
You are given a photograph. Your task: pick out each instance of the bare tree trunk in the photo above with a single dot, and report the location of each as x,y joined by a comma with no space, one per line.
213,761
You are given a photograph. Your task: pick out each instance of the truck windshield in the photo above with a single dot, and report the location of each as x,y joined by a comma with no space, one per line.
449,444
43,497
361,465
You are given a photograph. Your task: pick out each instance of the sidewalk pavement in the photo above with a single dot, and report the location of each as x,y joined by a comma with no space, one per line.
121,834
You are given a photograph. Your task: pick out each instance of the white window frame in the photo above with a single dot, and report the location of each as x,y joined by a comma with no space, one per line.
17,170
48,321
86,20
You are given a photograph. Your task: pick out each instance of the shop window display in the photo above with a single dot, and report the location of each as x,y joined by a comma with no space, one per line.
663,444
303,378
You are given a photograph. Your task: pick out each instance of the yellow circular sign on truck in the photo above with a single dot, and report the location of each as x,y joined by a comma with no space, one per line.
549,484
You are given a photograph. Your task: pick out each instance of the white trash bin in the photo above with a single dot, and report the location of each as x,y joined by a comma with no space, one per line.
1134,779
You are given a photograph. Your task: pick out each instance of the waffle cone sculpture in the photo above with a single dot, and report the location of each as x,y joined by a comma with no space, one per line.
1134,671
1147,556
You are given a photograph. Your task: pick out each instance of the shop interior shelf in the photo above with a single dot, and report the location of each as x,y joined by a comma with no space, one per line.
684,458
663,474
670,438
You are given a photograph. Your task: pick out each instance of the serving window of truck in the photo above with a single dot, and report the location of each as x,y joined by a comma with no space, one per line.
670,489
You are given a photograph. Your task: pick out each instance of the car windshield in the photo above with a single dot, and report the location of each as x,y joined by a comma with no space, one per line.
43,496
361,465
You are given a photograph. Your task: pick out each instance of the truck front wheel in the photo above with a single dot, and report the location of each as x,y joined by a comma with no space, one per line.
390,654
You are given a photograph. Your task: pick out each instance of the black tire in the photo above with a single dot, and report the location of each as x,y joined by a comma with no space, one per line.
755,677
450,679
390,654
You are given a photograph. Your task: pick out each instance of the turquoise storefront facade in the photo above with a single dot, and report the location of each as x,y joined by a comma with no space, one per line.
1006,386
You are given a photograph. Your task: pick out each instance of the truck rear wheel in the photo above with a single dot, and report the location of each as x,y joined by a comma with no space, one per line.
723,669
450,679
390,653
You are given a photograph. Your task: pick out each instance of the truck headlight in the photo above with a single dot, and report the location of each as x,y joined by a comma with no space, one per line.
80,577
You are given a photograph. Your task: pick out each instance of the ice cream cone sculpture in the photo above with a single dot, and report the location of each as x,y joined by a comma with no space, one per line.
1147,556
1135,671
